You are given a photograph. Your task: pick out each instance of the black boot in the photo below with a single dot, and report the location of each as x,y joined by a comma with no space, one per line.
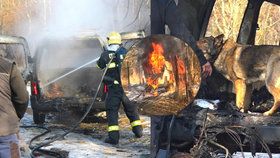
138,131
113,138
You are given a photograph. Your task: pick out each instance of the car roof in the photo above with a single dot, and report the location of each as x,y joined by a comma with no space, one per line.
5,39
18,40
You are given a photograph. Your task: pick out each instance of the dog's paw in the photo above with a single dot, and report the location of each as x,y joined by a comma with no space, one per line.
268,113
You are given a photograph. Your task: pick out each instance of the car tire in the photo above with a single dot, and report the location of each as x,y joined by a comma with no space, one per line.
38,117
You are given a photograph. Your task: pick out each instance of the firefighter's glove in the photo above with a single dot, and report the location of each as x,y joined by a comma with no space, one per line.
107,56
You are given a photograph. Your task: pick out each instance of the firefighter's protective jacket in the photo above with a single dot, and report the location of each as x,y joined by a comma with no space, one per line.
13,98
113,73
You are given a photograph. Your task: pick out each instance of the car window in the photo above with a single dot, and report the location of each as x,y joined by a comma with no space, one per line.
14,52
268,31
57,58
70,54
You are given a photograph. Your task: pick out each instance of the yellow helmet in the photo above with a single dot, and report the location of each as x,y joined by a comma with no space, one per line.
114,38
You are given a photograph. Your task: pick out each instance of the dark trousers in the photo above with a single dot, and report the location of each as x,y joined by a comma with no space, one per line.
114,99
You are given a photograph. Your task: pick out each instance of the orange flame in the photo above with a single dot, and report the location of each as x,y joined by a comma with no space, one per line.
156,58
156,62
182,75
181,66
152,82
54,91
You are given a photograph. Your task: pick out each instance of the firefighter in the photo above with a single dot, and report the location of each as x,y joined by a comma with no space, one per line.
116,95
13,104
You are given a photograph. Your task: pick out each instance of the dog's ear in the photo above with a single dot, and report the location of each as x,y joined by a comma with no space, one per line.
218,41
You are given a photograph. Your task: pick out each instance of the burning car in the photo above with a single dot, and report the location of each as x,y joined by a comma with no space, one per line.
65,76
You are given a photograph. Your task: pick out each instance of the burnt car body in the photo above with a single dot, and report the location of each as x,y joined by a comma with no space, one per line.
66,76
187,126
16,49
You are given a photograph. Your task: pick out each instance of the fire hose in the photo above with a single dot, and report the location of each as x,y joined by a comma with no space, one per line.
58,137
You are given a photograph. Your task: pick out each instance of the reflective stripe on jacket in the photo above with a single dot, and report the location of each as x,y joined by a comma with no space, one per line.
113,71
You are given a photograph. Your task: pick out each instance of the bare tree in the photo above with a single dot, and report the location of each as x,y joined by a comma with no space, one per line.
17,15
269,25
227,16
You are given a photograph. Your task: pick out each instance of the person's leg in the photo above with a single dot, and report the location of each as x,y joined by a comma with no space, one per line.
9,147
132,114
113,101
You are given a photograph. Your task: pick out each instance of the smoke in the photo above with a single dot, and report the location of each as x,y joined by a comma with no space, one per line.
71,16
54,23
67,18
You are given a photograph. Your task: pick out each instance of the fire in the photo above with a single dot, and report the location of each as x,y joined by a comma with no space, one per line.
163,74
181,66
156,58
181,75
54,91
152,82
156,62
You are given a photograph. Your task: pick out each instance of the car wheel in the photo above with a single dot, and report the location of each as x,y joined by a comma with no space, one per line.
38,117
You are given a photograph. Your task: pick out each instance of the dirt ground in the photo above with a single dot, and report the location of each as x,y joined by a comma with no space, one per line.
87,140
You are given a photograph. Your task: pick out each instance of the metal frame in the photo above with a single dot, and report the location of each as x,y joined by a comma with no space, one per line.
5,39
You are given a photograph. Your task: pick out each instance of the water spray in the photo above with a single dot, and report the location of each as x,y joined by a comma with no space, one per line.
70,72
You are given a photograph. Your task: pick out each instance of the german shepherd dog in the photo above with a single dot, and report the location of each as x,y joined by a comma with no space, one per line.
247,66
